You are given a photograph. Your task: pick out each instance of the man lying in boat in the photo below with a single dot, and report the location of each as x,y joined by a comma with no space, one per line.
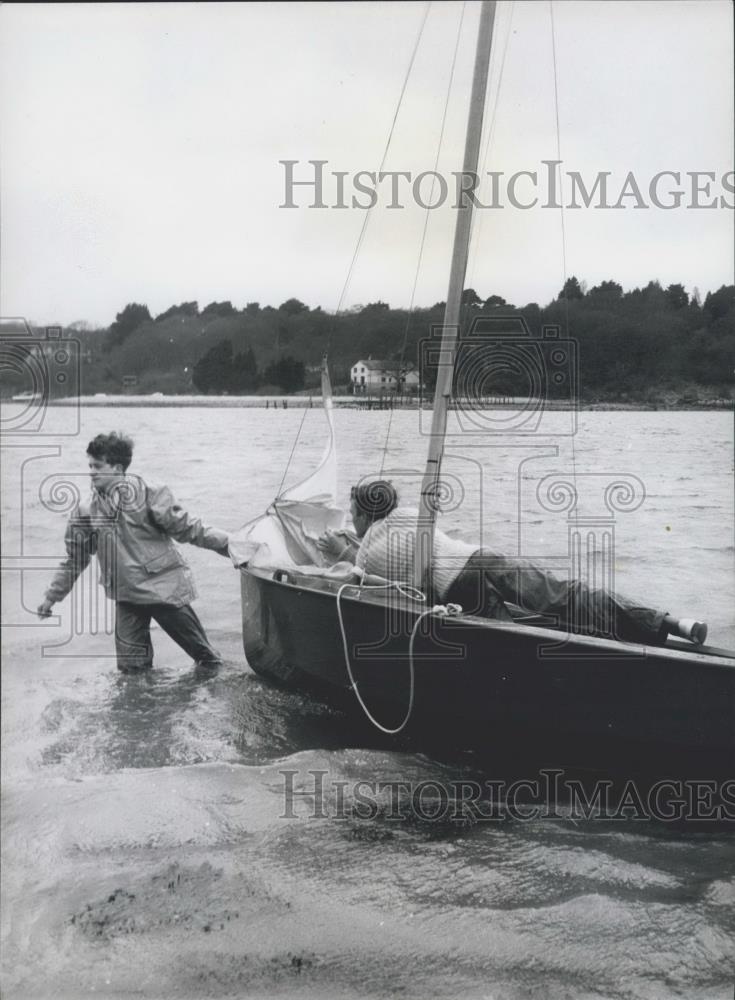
485,582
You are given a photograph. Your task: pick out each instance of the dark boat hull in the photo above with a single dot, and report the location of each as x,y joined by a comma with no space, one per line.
600,702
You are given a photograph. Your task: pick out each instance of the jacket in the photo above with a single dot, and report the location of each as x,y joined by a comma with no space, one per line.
131,532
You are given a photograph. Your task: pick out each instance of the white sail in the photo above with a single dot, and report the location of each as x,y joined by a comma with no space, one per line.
321,485
286,534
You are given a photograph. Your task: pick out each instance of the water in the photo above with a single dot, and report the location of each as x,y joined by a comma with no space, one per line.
146,847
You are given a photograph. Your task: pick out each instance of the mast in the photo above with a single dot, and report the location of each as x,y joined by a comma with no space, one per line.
450,329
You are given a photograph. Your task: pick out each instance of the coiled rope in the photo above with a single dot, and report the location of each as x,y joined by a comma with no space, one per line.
415,595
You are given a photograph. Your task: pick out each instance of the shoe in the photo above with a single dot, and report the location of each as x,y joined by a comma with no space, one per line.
696,632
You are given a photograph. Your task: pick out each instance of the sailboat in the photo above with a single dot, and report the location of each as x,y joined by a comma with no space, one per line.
410,668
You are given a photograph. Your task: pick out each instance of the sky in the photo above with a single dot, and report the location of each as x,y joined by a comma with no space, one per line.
141,149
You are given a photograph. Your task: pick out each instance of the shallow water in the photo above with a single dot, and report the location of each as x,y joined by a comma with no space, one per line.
158,832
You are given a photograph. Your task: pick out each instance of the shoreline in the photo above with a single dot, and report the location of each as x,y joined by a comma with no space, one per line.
350,402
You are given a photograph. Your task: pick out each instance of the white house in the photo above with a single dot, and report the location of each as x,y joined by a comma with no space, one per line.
373,377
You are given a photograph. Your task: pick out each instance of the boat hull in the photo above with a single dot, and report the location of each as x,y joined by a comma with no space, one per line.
559,696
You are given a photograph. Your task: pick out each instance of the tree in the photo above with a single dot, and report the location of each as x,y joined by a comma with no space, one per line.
219,309
287,373
654,295
571,290
373,308
606,293
244,375
252,308
532,315
677,296
292,307
471,298
183,309
719,303
711,353
213,371
132,316
494,301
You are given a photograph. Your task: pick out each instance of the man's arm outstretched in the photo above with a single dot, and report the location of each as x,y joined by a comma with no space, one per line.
81,544
173,520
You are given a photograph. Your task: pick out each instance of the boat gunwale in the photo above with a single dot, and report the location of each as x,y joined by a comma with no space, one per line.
713,657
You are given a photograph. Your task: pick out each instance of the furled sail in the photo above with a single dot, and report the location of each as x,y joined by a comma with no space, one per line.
286,535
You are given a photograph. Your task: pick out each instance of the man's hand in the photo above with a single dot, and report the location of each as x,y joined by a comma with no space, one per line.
329,543
338,545
44,609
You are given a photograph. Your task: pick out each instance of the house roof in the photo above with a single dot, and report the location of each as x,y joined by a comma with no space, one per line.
372,366
384,366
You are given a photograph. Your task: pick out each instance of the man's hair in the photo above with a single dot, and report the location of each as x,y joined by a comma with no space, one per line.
113,448
375,499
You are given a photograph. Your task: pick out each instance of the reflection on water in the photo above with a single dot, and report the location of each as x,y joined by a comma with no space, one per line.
152,846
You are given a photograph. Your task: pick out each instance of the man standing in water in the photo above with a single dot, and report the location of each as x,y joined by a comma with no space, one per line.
130,525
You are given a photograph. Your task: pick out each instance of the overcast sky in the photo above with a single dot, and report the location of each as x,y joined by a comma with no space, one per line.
141,148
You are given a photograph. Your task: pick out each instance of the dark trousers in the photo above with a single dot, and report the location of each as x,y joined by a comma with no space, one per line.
133,634
490,579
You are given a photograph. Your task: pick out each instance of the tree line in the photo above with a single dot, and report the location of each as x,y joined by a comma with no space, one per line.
222,371
637,344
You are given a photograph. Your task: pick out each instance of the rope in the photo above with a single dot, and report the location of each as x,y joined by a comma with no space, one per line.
415,595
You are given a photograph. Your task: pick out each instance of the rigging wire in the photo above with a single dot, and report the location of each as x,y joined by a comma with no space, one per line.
366,219
427,211
290,457
574,411
489,135
558,156
368,212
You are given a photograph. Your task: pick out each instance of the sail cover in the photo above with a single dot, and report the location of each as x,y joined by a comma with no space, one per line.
286,534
